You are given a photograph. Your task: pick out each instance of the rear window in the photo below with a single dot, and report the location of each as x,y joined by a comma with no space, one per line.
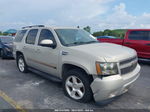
139,35
31,37
20,35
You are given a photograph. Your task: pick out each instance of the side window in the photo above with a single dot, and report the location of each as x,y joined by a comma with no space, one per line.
20,35
45,34
31,37
139,35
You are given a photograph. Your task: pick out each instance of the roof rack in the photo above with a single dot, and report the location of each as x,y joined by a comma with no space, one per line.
33,26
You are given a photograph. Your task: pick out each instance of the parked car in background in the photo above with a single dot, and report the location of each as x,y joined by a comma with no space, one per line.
105,37
138,39
86,67
6,46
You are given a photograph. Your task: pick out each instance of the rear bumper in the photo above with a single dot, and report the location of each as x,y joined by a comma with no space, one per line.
113,86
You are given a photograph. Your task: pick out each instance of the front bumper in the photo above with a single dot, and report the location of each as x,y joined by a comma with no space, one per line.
112,86
8,53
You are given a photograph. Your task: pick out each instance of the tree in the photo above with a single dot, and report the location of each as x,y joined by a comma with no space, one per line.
107,32
96,34
4,33
88,29
120,33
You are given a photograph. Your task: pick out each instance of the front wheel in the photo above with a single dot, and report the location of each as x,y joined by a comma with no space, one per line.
21,64
76,85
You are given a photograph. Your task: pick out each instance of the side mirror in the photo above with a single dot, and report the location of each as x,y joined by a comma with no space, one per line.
47,43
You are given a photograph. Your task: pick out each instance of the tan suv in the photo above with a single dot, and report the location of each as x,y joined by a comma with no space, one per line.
86,67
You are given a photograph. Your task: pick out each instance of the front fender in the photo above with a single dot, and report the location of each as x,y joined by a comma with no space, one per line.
76,64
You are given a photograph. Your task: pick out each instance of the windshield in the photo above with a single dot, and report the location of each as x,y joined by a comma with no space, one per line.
70,37
6,39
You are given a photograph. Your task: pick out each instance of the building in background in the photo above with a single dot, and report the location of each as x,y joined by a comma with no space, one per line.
11,32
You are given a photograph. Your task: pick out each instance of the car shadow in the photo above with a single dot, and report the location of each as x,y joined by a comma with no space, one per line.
107,102
46,77
58,83
142,62
7,58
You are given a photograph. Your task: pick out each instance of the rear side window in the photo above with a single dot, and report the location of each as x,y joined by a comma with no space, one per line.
46,34
31,37
20,35
139,35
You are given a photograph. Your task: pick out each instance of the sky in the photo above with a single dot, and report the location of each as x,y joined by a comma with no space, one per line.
98,14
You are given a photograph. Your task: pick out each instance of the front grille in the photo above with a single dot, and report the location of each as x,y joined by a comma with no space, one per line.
128,60
128,65
128,69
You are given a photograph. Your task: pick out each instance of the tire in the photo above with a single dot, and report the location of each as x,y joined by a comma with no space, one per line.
2,54
22,66
82,85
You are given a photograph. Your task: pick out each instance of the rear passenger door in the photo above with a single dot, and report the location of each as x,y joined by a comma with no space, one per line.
47,57
29,47
140,41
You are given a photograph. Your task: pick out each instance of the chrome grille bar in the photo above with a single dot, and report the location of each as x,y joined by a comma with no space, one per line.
127,66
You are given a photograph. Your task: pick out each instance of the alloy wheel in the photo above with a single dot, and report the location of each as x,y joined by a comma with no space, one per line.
75,87
21,64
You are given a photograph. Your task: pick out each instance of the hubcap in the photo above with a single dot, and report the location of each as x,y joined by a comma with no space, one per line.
21,64
75,87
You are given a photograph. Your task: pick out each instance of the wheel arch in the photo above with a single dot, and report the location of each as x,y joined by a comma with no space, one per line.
18,53
67,66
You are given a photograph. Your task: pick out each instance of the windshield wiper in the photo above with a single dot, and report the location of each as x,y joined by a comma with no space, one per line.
75,43
80,43
91,42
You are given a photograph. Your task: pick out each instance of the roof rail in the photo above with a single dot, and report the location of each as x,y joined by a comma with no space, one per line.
33,26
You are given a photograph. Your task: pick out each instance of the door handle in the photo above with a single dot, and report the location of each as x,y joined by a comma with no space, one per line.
148,44
127,43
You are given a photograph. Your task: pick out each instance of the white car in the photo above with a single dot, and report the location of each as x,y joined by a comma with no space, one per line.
86,67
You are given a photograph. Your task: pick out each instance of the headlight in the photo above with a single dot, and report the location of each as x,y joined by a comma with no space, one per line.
106,68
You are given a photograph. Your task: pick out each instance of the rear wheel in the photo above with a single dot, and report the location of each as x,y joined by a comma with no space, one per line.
22,66
76,85
2,54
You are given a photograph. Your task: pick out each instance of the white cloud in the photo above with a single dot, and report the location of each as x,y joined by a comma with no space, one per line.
50,22
120,18
96,13
58,12
14,25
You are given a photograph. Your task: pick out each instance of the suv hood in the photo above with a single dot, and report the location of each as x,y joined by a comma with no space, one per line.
110,52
